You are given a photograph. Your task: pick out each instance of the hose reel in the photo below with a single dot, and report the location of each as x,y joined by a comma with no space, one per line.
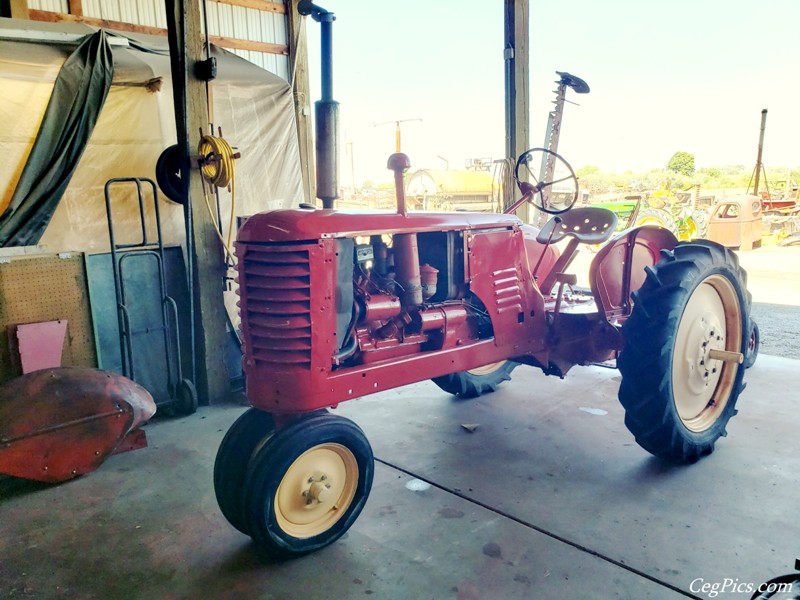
216,160
215,157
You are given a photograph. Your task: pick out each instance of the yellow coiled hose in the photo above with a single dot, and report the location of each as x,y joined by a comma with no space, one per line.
219,170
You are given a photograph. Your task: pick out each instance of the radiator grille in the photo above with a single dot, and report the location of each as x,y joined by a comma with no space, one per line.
277,313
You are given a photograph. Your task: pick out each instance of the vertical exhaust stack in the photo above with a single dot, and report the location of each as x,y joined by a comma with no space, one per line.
399,163
326,110
406,252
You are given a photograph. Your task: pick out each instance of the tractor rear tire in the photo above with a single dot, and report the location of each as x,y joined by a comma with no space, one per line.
677,399
478,381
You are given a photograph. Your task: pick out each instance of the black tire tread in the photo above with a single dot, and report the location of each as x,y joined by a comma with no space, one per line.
233,457
469,385
646,361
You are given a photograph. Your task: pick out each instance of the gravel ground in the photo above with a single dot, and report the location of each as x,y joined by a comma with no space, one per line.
773,277
779,325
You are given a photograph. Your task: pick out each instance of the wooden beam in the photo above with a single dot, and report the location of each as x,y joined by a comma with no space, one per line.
54,17
76,7
298,64
237,44
516,84
14,9
264,5
222,42
191,118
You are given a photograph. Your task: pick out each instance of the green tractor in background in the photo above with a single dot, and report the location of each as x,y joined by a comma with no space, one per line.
677,212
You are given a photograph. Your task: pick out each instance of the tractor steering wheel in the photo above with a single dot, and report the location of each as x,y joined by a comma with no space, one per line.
552,162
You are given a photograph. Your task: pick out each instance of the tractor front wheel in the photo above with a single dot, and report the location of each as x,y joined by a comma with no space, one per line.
684,343
307,484
478,381
230,467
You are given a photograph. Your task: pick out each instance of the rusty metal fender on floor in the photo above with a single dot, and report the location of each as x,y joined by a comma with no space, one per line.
57,424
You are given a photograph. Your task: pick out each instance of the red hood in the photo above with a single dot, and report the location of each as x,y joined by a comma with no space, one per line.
311,224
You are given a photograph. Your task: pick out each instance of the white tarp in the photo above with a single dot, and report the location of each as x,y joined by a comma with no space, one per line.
253,107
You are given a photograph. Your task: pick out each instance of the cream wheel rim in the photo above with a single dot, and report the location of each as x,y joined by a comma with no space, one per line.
701,385
486,369
316,490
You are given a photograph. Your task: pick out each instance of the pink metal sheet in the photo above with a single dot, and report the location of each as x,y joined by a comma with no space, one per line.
41,344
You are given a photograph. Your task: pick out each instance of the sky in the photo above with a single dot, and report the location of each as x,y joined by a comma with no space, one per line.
671,76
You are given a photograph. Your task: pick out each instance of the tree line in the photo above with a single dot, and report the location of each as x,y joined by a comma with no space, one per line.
679,174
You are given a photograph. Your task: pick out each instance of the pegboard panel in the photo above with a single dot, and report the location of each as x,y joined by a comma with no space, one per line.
46,288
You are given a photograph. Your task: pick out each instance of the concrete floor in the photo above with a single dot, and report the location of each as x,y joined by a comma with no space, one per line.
549,497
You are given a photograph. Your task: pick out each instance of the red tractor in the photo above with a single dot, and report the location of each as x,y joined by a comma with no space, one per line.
336,305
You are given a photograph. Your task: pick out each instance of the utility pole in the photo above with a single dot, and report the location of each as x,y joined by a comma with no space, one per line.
349,146
185,37
517,93
396,130
759,164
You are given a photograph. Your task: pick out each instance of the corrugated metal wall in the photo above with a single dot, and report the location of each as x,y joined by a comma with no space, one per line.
223,20
138,12
250,24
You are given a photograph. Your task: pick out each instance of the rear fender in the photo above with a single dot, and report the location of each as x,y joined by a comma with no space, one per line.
618,268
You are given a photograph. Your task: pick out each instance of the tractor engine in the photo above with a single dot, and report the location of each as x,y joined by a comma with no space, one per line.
397,305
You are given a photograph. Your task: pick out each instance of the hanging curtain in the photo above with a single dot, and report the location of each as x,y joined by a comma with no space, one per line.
75,104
